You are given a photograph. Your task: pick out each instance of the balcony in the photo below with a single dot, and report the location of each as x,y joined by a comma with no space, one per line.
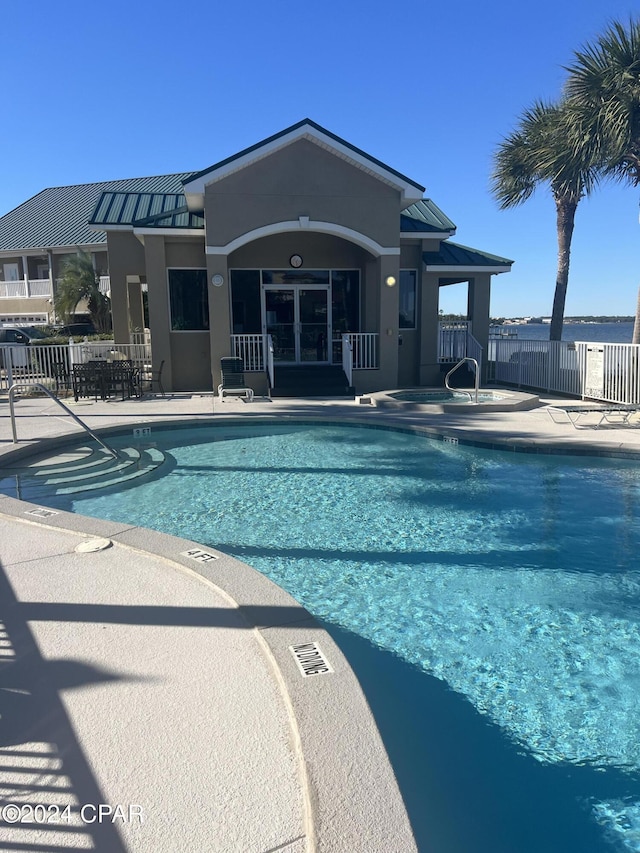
26,288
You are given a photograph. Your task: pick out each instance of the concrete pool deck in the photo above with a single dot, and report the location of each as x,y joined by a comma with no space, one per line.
139,676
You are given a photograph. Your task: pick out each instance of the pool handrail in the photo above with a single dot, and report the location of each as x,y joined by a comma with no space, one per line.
464,390
57,400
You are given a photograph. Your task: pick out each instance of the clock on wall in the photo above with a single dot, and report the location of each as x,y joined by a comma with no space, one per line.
295,261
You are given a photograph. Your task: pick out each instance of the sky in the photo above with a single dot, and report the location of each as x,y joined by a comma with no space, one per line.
95,92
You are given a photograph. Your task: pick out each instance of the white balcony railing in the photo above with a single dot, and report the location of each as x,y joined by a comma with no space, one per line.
34,288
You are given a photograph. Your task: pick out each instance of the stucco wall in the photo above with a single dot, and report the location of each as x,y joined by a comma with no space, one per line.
301,180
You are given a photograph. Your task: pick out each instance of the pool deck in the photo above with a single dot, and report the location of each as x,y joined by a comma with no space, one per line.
136,675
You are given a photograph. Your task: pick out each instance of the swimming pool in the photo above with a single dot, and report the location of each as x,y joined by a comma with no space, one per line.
488,602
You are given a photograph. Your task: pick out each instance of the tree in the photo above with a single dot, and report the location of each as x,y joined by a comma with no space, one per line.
79,281
603,91
536,154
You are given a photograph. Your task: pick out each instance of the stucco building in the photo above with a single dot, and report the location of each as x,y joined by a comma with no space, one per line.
275,254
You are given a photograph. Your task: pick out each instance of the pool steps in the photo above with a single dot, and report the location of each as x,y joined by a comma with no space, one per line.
96,469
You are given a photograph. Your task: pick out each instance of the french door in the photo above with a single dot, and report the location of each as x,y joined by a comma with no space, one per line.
298,320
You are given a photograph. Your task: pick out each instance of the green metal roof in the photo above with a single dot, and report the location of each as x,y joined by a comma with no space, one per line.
454,255
59,216
151,210
423,217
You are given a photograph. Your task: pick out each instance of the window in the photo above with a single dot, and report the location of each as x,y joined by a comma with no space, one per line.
345,301
408,299
188,300
245,302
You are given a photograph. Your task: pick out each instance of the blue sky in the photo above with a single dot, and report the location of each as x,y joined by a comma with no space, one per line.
124,89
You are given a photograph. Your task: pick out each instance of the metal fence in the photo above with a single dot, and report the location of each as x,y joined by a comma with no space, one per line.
51,364
597,371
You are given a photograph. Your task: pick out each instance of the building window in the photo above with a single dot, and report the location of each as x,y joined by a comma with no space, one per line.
245,302
188,300
345,301
408,299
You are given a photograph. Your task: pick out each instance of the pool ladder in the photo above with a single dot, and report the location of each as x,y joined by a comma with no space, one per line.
16,385
476,371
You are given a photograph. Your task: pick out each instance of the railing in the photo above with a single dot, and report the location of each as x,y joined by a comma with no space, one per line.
476,384
50,364
364,349
452,340
14,432
104,285
26,288
347,359
599,371
250,348
271,373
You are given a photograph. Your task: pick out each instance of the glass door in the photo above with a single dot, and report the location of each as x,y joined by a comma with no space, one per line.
280,322
313,324
297,318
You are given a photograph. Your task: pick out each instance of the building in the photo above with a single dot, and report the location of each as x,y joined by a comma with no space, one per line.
276,253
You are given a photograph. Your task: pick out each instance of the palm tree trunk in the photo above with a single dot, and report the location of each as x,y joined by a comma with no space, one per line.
565,218
636,326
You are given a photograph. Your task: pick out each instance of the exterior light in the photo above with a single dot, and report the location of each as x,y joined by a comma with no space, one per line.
217,280
390,281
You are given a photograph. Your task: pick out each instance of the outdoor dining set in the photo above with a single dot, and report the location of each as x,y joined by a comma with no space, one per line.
104,379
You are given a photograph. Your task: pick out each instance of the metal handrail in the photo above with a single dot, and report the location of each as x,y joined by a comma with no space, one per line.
464,390
110,450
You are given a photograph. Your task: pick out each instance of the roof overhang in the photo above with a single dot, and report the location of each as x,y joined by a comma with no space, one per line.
426,235
194,189
470,269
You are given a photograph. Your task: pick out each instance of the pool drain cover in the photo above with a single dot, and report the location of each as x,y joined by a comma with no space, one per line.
92,545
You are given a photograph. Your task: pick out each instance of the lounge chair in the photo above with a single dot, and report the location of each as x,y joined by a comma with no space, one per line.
232,370
612,413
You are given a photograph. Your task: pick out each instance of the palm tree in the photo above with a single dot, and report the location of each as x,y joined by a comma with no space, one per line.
603,91
536,154
79,281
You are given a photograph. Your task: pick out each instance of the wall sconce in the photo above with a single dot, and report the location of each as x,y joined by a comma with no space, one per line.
390,281
217,280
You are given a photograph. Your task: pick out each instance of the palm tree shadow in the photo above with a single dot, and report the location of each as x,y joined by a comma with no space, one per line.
467,786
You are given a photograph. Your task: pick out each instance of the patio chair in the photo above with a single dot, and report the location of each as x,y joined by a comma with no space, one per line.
152,376
232,370
618,414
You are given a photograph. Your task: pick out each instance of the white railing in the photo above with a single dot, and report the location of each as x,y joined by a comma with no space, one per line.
474,352
250,348
599,371
26,288
347,359
50,364
140,337
452,340
104,285
364,349
271,373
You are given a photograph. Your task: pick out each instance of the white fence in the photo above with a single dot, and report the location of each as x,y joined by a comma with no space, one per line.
24,288
51,364
599,371
364,348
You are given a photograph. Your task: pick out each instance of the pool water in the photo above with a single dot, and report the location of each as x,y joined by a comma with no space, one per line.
489,602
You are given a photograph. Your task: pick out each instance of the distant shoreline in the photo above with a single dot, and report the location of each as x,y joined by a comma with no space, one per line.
545,321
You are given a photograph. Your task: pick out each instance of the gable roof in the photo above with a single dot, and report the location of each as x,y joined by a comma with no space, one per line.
305,129
59,216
